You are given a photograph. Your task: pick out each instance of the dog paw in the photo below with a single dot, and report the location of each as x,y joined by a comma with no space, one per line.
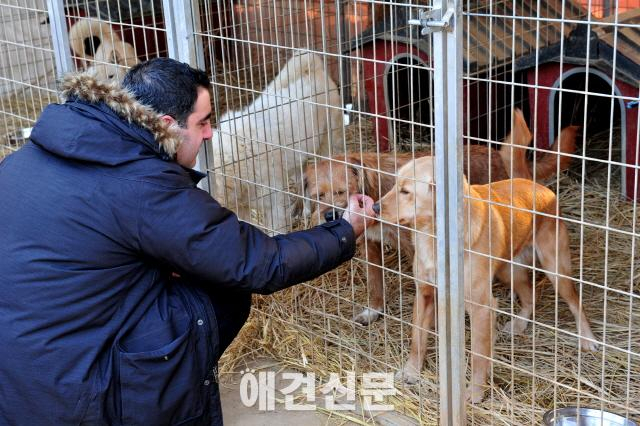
588,345
519,326
367,316
408,375
475,394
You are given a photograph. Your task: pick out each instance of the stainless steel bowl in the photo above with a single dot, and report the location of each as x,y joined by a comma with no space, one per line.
587,417
19,137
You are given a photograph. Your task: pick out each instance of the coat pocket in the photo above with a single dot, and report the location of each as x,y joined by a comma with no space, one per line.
162,386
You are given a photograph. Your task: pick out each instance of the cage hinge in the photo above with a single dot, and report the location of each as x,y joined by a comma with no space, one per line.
432,20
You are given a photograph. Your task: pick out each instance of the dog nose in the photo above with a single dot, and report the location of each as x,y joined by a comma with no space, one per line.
376,208
332,215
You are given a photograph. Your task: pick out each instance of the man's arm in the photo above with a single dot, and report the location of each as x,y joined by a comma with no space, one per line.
195,236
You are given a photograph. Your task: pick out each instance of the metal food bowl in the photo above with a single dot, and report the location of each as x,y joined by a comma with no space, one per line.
587,417
19,137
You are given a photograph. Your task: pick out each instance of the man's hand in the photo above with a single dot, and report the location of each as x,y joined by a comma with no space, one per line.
359,207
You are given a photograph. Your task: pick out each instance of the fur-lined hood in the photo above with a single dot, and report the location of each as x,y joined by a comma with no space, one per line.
86,87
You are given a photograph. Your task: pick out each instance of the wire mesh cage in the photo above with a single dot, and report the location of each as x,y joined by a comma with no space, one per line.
26,69
108,36
105,37
384,101
314,101
552,76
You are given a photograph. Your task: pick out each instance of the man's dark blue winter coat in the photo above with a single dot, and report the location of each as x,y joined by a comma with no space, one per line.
94,218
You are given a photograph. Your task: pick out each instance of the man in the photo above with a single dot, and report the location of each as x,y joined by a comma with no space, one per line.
99,214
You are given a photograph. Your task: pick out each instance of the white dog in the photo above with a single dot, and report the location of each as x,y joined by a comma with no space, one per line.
112,59
260,149
111,56
86,35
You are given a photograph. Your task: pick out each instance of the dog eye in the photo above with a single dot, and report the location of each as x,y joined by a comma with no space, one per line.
321,195
340,193
404,191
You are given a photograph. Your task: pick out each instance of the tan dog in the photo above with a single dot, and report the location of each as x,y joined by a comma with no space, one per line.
328,183
503,229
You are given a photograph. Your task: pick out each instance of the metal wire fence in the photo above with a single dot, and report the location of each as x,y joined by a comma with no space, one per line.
314,101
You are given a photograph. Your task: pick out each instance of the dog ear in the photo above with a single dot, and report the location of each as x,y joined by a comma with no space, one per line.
309,167
363,177
357,172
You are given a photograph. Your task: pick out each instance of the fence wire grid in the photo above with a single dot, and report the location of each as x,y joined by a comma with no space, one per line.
316,100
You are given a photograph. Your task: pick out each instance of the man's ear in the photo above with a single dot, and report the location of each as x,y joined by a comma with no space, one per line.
168,120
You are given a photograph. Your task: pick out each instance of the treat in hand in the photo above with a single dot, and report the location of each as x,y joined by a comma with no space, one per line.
359,212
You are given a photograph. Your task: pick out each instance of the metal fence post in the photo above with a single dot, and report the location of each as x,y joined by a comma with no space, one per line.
59,36
447,50
182,22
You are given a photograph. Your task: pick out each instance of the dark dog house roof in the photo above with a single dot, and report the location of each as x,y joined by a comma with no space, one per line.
606,43
499,33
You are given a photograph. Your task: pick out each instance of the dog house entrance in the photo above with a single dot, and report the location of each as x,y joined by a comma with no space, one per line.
409,97
605,138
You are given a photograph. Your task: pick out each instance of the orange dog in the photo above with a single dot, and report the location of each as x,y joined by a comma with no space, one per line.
328,183
501,230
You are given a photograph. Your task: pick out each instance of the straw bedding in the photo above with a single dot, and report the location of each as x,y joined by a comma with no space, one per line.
24,106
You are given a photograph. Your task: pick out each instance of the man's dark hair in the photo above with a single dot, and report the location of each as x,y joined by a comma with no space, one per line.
168,86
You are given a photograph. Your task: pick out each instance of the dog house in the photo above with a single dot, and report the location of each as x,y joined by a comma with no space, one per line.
395,56
613,95
394,75
507,63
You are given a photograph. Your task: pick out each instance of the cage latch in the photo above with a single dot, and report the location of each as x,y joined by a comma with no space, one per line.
432,20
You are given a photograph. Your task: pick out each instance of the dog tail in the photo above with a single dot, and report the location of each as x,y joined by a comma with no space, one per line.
87,29
514,148
547,162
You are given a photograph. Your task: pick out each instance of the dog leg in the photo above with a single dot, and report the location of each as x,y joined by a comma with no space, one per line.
482,338
374,279
274,203
524,290
280,209
478,276
560,261
423,316
335,140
